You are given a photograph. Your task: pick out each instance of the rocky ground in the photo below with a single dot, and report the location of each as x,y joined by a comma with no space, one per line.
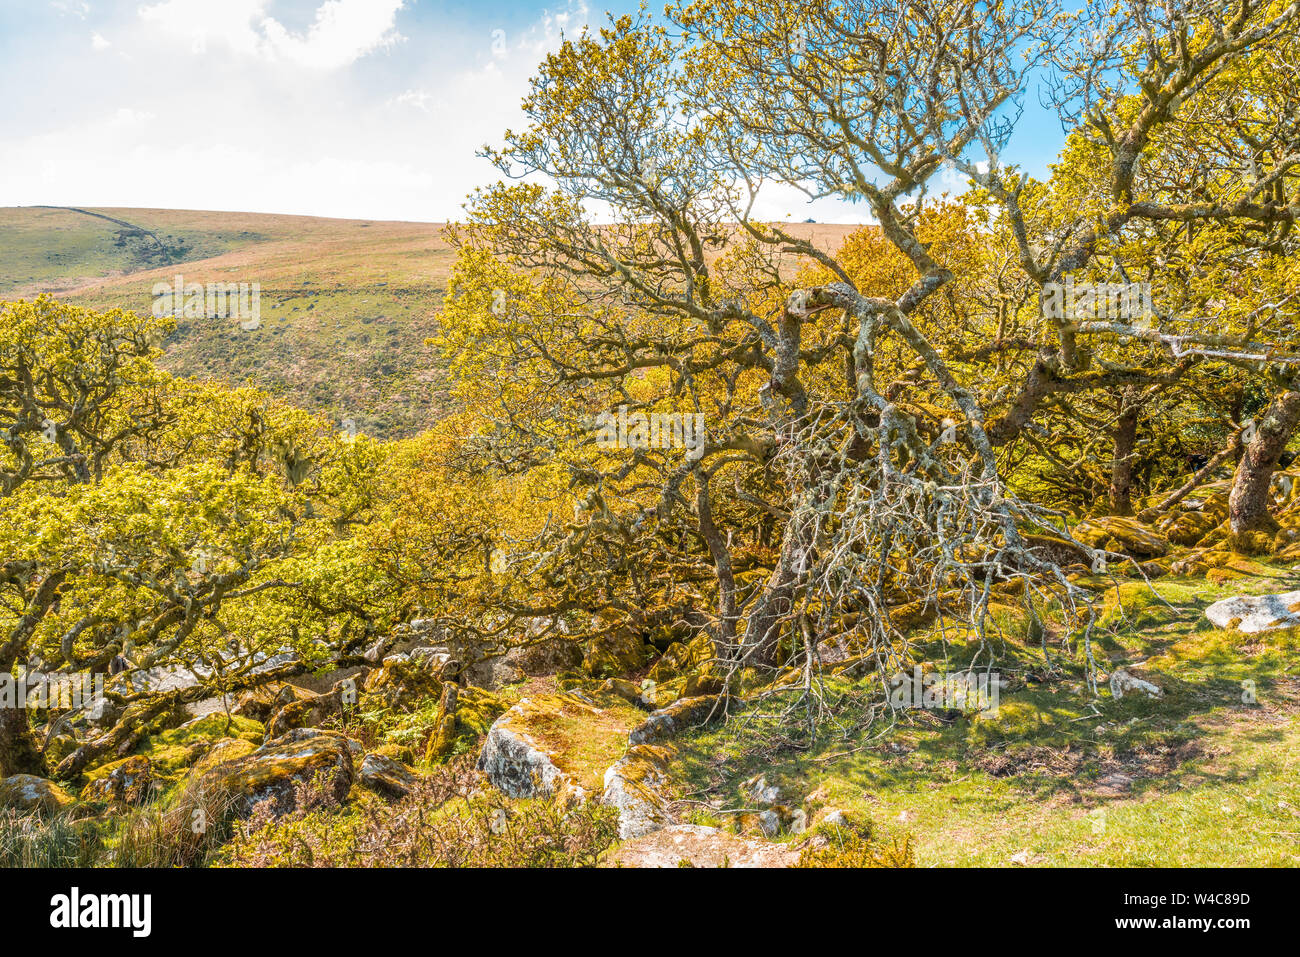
618,754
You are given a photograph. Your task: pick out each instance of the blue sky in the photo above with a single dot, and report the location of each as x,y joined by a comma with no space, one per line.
356,108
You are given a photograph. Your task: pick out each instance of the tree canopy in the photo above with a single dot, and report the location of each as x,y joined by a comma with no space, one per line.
676,421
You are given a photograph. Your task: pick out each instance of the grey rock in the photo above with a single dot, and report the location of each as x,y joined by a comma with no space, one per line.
1122,683
385,775
634,785
514,763
1255,613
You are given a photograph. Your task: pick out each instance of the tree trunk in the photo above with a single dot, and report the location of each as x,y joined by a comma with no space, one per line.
1248,504
762,640
1235,410
721,555
1121,468
18,751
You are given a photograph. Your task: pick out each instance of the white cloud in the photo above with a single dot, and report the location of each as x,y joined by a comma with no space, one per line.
270,120
227,23
342,31
98,42
245,129
126,117
418,99
74,9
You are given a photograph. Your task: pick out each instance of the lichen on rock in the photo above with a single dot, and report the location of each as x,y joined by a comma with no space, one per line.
635,785
695,845
273,771
129,781
30,793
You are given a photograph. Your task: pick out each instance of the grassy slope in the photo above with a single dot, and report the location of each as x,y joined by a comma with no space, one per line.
54,249
1196,778
346,304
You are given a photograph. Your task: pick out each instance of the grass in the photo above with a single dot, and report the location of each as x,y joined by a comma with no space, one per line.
57,249
55,841
1055,777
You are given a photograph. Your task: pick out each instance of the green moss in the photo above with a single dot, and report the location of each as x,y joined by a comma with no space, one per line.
173,751
29,793
614,653
479,708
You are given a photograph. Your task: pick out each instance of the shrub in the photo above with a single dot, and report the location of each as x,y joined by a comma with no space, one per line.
443,822
855,846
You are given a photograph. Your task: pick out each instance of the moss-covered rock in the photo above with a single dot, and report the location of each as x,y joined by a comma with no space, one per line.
660,694
313,710
29,793
546,657
695,662
547,742
681,715
773,821
622,688
129,781
231,749
516,764
1218,565
1125,535
636,785
1187,527
405,680
385,775
682,658
260,703
273,771
615,652
464,714
60,746
176,749
398,752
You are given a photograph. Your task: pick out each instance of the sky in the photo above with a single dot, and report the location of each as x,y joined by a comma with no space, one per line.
365,109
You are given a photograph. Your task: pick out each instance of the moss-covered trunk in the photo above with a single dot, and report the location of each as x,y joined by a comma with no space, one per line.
1248,503
1125,454
18,751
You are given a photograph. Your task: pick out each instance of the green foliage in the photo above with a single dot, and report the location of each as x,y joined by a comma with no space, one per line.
846,846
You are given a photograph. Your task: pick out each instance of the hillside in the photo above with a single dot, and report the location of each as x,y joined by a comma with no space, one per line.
346,305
